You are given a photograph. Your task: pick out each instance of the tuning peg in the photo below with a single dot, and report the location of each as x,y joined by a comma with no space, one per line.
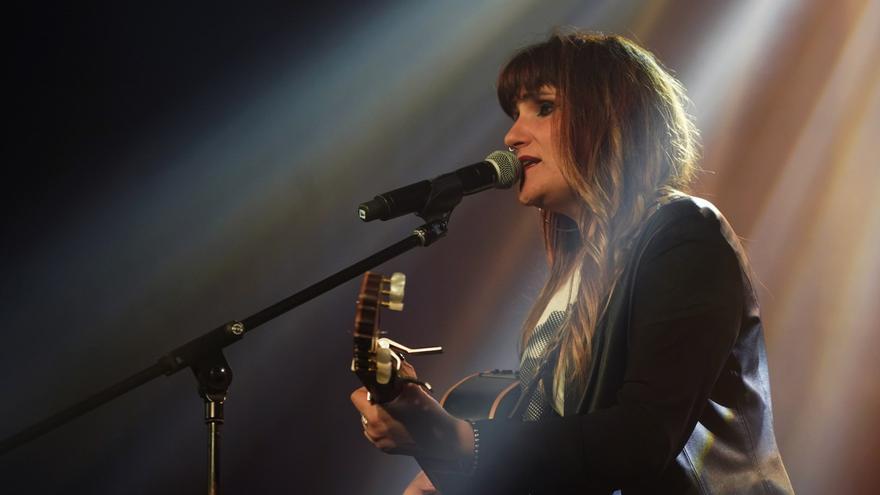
387,362
393,305
396,286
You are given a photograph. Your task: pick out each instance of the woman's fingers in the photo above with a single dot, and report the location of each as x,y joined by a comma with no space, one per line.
390,426
412,424
380,428
407,370
361,402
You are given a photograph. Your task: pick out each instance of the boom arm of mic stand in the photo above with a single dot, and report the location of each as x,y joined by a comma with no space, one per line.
212,342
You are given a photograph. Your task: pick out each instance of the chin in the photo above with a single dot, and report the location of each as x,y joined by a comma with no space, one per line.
527,200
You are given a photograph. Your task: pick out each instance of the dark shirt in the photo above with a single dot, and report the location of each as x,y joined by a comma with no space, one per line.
678,397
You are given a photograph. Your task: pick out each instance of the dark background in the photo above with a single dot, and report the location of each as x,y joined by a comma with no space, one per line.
174,165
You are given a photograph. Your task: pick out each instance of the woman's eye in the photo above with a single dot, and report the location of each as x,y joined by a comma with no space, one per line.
545,108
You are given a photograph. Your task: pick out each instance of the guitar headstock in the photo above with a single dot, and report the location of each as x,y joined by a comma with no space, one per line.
374,361
378,360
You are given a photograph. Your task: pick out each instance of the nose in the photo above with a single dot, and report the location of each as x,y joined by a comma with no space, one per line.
517,136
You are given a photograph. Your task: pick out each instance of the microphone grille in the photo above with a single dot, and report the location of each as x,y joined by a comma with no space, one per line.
507,166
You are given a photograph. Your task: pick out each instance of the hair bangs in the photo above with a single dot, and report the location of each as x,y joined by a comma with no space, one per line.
525,74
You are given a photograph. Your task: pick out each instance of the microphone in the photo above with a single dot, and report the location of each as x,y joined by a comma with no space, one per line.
500,169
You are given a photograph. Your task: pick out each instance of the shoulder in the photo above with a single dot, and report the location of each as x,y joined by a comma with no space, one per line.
689,258
690,236
686,220
690,213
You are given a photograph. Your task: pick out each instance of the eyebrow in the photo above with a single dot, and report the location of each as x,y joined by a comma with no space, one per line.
533,96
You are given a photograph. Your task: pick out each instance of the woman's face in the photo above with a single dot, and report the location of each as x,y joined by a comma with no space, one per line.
533,136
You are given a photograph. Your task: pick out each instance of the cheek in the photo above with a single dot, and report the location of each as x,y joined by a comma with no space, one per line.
557,188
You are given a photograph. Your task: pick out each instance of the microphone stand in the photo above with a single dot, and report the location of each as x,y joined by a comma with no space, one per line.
204,354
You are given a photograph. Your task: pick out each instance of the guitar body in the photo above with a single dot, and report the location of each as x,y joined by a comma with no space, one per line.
485,395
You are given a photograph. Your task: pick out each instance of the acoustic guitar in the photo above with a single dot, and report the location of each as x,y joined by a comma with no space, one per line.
377,362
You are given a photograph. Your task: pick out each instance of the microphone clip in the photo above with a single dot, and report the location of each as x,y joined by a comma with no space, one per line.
445,194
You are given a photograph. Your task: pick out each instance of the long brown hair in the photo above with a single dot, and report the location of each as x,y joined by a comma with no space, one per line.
626,143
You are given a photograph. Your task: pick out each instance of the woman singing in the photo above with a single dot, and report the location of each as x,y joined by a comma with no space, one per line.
643,366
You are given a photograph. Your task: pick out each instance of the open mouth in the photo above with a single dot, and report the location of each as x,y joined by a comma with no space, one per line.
528,162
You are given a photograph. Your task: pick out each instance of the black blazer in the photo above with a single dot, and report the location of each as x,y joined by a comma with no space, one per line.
678,398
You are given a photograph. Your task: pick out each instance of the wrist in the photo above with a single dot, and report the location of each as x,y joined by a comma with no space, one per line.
469,442
465,441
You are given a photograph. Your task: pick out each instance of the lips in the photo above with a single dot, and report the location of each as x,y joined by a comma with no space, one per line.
528,161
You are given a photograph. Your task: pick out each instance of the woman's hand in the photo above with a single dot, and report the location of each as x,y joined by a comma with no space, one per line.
415,424
382,429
